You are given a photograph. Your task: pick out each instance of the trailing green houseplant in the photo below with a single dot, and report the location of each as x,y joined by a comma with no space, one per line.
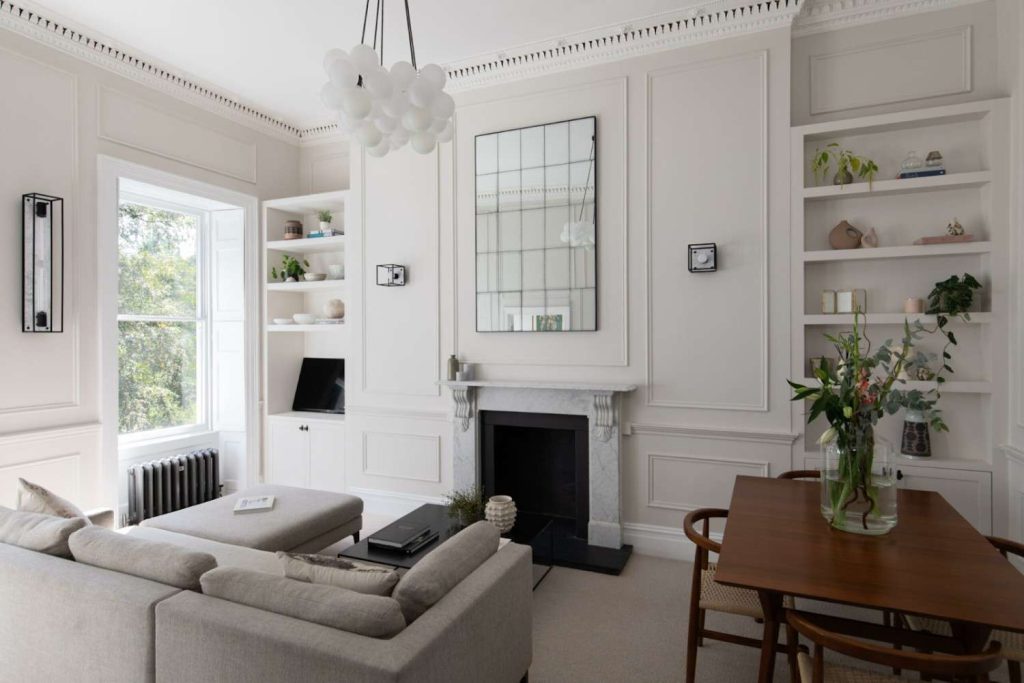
291,268
466,505
847,164
866,384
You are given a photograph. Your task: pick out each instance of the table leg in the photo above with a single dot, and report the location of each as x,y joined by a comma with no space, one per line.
771,605
974,637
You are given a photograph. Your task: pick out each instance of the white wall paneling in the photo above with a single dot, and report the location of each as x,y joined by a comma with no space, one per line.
697,202
916,67
402,456
688,482
64,460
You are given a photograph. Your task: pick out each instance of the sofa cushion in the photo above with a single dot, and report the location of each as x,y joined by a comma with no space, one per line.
161,562
336,571
227,555
368,615
431,578
35,498
35,531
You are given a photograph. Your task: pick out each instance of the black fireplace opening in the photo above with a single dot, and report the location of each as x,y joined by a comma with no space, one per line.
543,462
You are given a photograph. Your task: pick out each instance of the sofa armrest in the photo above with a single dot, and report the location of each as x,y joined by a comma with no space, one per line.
481,631
103,517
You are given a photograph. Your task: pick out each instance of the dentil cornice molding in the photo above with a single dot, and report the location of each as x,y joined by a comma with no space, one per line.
818,16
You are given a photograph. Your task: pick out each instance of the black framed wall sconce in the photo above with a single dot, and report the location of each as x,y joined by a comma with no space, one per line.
703,257
391,275
42,273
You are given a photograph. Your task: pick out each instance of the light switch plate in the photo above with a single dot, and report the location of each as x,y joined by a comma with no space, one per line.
703,257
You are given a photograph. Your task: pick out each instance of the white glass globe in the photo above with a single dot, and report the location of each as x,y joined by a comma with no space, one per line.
380,149
437,126
342,72
423,142
443,106
434,75
385,123
422,93
417,119
356,102
346,123
368,134
402,75
331,95
379,85
397,105
364,58
400,135
332,55
446,134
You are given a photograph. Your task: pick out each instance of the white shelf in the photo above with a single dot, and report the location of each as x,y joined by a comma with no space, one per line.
309,416
890,187
308,245
949,387
889,319
310,203
325,327
909,251
300,287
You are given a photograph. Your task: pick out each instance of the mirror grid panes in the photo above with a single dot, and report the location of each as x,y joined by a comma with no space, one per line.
536,237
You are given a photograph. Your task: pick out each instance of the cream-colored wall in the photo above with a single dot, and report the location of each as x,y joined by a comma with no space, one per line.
60,113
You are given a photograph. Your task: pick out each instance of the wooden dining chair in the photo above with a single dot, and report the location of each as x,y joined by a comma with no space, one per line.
800,474
706,594
1013,643
814,669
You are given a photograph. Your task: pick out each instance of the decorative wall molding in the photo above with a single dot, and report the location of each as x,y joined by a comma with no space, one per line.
677,431
604,414
758,468
72,431
391,413
818,16
661,541
434,441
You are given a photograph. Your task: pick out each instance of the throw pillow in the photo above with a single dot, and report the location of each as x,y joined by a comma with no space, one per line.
336,571
161,562
431,578
35,498
41,533
368,615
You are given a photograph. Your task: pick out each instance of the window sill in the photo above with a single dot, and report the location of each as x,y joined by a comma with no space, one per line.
134,449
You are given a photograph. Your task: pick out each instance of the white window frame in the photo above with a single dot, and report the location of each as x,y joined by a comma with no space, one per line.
204,348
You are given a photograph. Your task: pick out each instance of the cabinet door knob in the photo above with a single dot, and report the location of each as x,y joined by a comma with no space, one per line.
899,475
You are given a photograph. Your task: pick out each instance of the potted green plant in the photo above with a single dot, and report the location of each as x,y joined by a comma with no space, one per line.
847,164
325,217
291,269
853,394
466,505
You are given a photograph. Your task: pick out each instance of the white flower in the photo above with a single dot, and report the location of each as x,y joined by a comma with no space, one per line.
829,434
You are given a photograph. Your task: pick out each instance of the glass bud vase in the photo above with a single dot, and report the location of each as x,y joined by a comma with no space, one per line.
858,485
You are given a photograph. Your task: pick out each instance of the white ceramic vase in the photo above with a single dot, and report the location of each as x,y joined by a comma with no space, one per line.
501,512
334,308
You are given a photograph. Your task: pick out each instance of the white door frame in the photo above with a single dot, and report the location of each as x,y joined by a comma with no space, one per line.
110,171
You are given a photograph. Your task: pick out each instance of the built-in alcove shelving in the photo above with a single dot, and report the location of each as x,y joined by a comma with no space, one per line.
972,138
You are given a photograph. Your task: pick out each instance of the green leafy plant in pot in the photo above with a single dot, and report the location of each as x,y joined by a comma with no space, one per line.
325,218
853,394
466,506
291,269
847,164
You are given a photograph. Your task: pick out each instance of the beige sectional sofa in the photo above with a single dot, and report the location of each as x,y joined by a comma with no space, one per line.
61,620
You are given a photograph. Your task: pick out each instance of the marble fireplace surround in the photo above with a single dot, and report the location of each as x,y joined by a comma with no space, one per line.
598,402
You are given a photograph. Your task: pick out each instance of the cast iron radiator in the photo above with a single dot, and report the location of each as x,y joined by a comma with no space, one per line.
162,486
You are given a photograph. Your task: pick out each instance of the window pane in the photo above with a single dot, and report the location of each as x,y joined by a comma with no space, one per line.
157,267
157,387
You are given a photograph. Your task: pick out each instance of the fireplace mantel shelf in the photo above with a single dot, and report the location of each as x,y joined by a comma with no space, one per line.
553,386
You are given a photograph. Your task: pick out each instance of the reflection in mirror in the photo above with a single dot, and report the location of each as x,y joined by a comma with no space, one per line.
536,238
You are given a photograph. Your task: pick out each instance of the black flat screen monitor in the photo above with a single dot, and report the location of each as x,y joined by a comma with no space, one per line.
321,387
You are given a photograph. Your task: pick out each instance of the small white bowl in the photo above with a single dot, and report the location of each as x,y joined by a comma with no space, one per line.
304,318
283,321
315,277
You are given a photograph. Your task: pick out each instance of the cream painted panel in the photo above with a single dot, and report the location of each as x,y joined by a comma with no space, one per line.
904,69
65,461
38,141
688,482
708,332
609,345
329,173
969,492
402,456
401,325
132,122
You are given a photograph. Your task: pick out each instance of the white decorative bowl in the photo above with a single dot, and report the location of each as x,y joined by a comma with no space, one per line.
283,321
315,277
304,318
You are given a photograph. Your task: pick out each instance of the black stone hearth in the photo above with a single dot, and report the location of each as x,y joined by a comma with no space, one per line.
542,461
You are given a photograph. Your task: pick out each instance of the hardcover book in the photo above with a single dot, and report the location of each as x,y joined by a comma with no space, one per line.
398,535
254,504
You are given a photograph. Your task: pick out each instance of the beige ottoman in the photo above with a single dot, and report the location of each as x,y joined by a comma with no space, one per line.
303,520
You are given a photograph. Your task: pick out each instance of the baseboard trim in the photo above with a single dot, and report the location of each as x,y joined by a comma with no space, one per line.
392,503
660,541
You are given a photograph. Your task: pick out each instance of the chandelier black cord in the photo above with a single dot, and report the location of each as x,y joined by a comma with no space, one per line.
378,30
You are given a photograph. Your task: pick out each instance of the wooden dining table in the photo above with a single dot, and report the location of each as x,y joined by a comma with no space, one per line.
933,563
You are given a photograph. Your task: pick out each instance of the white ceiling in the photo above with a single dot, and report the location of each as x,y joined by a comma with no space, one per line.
268,52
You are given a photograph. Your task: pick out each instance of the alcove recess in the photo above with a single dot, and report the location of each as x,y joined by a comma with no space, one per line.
971,138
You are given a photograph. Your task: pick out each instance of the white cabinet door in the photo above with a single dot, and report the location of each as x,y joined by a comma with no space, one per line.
968,491
326,457
287,453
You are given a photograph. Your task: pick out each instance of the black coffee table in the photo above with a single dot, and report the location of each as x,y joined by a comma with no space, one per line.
532,530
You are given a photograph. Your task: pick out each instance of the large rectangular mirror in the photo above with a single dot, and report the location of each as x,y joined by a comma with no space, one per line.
536,228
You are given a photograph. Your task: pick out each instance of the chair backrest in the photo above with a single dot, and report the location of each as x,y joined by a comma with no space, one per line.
800,474
1007,547
702,538
970,667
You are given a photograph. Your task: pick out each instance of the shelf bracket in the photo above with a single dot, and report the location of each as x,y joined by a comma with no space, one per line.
604,414
463,397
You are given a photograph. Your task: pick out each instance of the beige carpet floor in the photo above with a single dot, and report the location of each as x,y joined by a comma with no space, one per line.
594,628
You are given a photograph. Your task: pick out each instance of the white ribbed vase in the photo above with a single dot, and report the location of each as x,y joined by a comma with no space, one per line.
501,512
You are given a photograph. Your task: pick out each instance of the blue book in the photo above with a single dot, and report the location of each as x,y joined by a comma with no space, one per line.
923,173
